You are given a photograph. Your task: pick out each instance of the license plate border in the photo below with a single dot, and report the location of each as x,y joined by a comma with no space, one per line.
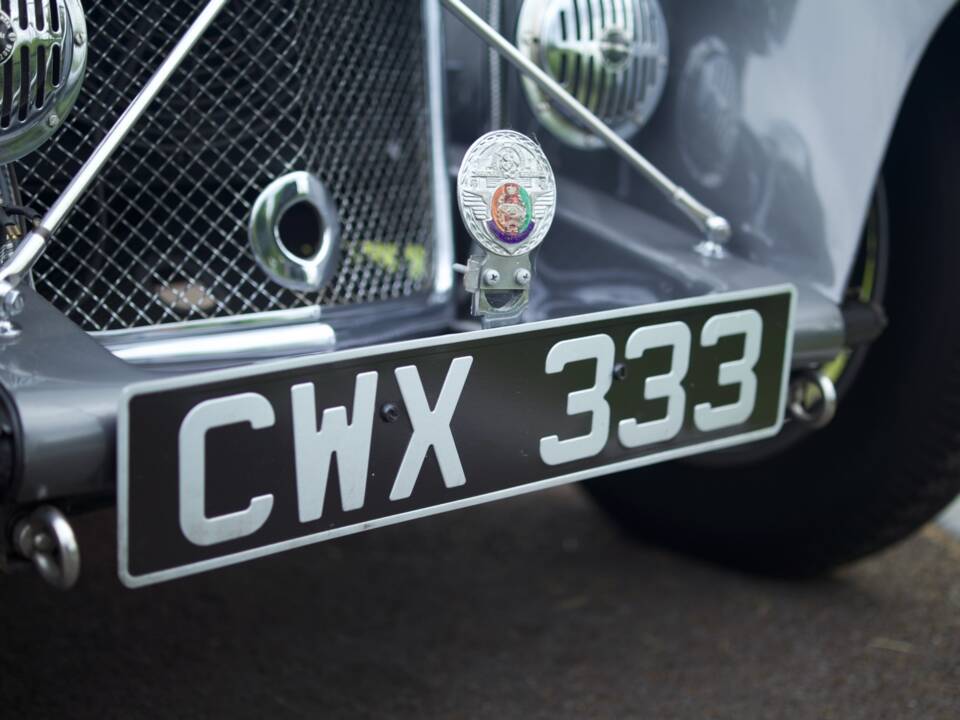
205,377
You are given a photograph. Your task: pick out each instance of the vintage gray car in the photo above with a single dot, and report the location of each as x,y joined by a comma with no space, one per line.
276,272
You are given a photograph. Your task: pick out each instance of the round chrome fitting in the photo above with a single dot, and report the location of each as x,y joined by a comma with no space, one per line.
611,55
38,40
812,398
294,232
46,538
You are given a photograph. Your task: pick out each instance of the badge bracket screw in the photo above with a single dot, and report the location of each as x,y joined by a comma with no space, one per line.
491,277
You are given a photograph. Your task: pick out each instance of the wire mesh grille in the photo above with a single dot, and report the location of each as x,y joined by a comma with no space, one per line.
332,87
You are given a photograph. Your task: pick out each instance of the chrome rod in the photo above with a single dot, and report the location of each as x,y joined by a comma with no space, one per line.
715,228
36,241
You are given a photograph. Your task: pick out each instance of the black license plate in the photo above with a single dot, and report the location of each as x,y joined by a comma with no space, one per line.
226,466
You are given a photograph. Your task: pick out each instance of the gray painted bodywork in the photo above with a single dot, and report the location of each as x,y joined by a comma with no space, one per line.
820,101
66,388
820,85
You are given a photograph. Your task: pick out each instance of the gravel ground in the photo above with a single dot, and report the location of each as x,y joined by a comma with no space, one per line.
530,608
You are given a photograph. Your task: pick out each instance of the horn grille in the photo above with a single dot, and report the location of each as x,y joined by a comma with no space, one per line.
609,54
42,61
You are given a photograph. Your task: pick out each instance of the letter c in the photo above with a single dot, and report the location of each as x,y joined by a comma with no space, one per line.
196,526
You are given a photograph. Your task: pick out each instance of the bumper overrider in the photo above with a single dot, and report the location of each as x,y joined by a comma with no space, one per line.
69,389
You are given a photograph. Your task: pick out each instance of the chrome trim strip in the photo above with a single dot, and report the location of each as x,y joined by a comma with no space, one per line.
237,345
123,429
443,253
229,323
715,228
36,241
352,326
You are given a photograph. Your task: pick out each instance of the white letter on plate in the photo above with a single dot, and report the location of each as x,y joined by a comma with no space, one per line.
196,526
600,348
676,336
736,372
430,427
314,450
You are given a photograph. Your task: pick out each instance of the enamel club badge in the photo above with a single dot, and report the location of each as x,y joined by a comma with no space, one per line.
507,193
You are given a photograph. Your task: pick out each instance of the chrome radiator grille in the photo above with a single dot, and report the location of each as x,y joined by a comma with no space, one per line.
335,87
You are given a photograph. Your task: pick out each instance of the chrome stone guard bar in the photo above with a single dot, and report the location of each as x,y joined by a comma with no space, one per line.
715,228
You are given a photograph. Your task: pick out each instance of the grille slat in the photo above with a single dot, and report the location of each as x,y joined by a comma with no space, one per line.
335,88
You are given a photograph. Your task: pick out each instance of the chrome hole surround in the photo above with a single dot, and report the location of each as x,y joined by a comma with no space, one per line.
276,250
43,58
611,55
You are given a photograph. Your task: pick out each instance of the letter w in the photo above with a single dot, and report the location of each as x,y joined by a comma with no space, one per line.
350,442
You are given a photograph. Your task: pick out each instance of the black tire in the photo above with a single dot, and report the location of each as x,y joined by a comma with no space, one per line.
891,459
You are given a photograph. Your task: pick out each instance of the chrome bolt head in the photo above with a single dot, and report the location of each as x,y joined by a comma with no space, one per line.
43,542
389,413
522,277
13,303
79,38
718,229
53,120
491,277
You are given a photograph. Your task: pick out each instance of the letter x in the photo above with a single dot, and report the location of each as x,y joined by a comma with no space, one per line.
430,427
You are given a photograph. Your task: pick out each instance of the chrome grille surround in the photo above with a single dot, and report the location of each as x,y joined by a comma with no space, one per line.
335,88
612,55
